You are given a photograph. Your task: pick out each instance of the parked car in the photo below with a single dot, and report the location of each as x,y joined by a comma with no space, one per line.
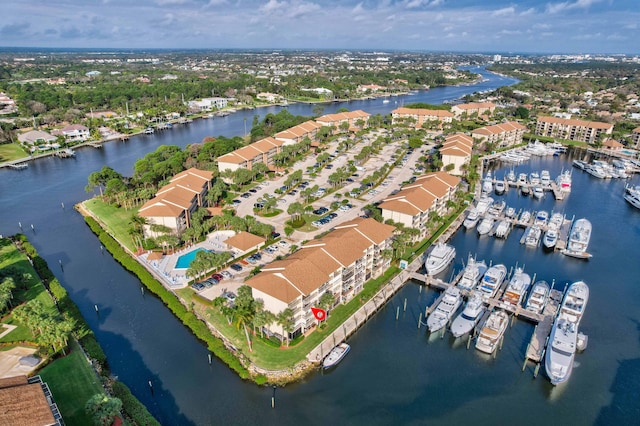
218,277
236,267
197,286
226,274
246,195
231,297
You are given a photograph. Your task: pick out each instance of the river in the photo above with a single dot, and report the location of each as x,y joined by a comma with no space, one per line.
395,373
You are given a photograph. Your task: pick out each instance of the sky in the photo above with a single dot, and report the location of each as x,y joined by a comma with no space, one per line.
518,26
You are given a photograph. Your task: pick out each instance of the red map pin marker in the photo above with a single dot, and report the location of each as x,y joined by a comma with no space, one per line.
320,314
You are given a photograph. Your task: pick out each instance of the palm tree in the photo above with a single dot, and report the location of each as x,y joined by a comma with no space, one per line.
285,319
103,408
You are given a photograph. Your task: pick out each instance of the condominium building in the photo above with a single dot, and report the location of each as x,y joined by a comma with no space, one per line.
478,108
339,263
502,135
421,116
261,151
456,151
635,137
296,134
174,203
416,201
572,129
352,118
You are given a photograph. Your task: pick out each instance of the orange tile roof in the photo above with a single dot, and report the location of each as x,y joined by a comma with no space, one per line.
575,122
24,404
244,241
476,105
400,205
612,143
456,150
499,128
636,130
341,116
422,111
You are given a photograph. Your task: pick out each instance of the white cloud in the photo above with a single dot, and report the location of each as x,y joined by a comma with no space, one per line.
358,8
505,11
527,12
567,5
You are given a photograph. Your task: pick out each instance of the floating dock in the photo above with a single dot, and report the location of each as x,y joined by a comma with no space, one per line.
535,349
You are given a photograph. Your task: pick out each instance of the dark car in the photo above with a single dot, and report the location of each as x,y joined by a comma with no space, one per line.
236,201
197,286
236,267
217,277
253,191
246,195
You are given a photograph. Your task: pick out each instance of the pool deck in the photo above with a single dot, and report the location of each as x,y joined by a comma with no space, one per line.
165,267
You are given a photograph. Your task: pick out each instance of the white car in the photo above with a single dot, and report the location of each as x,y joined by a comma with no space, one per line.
283,243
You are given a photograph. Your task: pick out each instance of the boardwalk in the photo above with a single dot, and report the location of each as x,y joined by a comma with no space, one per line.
535,349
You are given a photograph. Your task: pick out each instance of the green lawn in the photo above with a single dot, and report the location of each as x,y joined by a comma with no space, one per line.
116,221
72,382
11,152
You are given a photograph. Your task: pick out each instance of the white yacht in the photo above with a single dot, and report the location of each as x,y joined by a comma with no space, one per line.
486,225
522,179
550,238
503,228
517,287
492,331
472,274
596,171
538,192
483,204
582,165
511,176
499,187
487,183
441,256
545,178
632,195
448,306
564,180
492,280
541,218
579,239
510,212
497,207
556,220
472,219
534,178
563,340
525,217
469,317
533,236
538,297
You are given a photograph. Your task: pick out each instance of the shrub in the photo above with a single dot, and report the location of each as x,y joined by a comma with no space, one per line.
136,411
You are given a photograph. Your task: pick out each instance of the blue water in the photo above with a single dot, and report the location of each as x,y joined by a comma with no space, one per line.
185,260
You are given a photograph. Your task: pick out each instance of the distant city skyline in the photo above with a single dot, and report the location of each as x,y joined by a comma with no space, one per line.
525,26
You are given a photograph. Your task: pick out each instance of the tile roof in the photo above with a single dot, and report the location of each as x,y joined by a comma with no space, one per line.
249,152
341,116
476,105
245,241
23,404
499,128
422,111
575,122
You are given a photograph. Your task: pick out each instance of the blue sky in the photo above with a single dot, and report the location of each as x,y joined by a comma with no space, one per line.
571,26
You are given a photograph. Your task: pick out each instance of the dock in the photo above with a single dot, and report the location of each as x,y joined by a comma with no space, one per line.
535,349
65,153
19,166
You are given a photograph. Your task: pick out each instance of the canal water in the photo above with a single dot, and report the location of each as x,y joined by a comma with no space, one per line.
395,373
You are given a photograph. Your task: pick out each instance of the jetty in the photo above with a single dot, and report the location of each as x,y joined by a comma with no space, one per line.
538,342
65,153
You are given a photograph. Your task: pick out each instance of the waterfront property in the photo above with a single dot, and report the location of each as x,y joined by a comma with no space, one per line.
27,402
175,202
420,116
636,137
350,118
502,135
572,129
247,157
37,137
478,108
297,134
416,201
339,264
73,133
456,152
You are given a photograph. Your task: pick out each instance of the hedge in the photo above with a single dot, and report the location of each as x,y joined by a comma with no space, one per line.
136,411
197,327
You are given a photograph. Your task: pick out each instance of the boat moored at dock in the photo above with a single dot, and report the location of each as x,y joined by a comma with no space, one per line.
439,258
492,280
538,297
492,331
336,355
579,239
469,317
517,287
444,311
472,274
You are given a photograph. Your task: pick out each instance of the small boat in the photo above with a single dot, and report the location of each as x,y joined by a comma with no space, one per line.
439,258
510,212
492,331
472,219
472,274
487,183
533,237
492,280
500,187
579,239
336,355
538,297
563,340
538,192
550,238
525,216
469,317
483,204
448,306
485,226
517,287
497,207
541,218
596,171
149,131
545,178
534,178
503,228
579,164
524,189
511,176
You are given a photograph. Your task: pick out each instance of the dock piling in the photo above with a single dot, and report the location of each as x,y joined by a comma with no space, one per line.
419,320
535,372
469,341
405,305
397,313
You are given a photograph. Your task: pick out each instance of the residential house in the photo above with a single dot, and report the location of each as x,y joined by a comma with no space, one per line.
261,151
635,137
415,202
370,88
456,150
36,137
339,263
572,129
421,116
27,401
174,203
209,104
479,108
74,133
352,118
501,135
612,145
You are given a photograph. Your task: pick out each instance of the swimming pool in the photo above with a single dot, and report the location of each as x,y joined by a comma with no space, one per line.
185,260
628,152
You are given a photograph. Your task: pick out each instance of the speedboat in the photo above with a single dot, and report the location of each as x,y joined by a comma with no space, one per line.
492,280
441,256
492,331
533,237
596,171
541,218
451,301
517,287
499,187
336,355
472,219
563,340
524,189
538,297
538,192
472,274
469,317
550,238
579,164
579,239
485,226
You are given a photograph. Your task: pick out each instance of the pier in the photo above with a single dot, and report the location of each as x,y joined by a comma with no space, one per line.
535,349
